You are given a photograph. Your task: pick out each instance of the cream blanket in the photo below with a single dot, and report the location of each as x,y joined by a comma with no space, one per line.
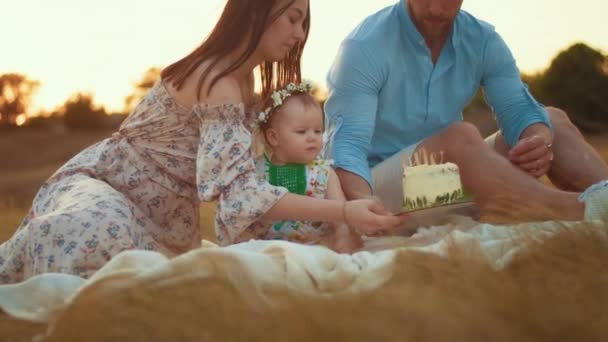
256,267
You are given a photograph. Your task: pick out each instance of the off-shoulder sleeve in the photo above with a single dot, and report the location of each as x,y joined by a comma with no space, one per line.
226,172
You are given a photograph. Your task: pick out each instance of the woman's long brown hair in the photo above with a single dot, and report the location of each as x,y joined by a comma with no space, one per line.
239,20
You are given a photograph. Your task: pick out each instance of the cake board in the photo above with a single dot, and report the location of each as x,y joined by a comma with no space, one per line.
436,215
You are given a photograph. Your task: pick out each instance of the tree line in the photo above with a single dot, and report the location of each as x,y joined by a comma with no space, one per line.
77,112
575,81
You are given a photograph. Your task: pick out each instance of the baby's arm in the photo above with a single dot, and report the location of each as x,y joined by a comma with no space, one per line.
344,240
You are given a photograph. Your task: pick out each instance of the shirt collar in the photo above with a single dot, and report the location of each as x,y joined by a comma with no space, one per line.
412,32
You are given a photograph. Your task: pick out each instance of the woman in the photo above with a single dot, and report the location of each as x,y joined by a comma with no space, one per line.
187,141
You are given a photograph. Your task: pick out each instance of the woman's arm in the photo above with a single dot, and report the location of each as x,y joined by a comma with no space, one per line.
366,215
304,208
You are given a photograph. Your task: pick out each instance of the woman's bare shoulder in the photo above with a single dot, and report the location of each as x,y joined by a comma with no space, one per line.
225,89
218,91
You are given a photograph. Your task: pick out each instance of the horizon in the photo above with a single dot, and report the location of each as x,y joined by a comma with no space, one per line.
84,51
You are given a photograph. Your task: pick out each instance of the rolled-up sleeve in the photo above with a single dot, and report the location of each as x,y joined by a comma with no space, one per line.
354,82
514,106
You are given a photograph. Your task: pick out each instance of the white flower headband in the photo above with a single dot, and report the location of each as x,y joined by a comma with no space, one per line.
279,96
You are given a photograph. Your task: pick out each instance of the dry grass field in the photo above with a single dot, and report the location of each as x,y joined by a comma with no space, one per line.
556,292
29,156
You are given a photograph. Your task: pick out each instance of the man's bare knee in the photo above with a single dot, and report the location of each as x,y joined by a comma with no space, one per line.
560,120
454,139
464,133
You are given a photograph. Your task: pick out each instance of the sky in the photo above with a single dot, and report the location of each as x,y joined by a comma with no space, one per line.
104,47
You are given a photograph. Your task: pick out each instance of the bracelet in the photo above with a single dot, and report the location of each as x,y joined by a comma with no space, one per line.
344,213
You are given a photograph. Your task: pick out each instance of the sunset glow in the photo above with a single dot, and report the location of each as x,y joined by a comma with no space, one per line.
103,47
20,120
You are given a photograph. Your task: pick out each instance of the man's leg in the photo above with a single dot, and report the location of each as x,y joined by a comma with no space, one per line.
576,165
501,189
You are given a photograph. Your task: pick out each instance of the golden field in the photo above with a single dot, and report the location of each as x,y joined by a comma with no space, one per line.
556,291
29,156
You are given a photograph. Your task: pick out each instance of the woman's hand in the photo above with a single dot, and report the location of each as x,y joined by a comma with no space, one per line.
368,217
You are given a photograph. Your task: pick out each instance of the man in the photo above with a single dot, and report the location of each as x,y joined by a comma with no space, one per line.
399,84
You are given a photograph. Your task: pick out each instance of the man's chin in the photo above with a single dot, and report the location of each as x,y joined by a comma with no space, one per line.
435,34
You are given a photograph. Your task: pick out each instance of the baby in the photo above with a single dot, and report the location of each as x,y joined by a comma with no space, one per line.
291,127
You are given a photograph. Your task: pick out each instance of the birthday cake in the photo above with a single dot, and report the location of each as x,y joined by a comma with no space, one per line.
429,185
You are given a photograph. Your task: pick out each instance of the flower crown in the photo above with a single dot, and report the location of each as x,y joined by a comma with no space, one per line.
278,96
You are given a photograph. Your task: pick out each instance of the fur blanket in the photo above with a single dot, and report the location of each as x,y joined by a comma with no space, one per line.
459,281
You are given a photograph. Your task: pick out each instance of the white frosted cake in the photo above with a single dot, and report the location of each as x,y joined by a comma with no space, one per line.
429,185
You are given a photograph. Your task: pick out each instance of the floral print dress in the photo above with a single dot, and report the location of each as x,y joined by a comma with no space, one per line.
141,189
308,232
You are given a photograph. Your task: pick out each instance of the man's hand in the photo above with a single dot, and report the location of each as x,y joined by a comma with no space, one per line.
533,154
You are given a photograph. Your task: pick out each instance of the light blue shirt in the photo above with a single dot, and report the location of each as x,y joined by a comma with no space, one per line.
385,93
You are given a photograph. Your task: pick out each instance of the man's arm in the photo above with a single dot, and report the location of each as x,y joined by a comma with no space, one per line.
354,82
357,186
515,108
523,122
540,130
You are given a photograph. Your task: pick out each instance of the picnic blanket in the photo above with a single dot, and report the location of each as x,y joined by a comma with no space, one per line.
256,267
